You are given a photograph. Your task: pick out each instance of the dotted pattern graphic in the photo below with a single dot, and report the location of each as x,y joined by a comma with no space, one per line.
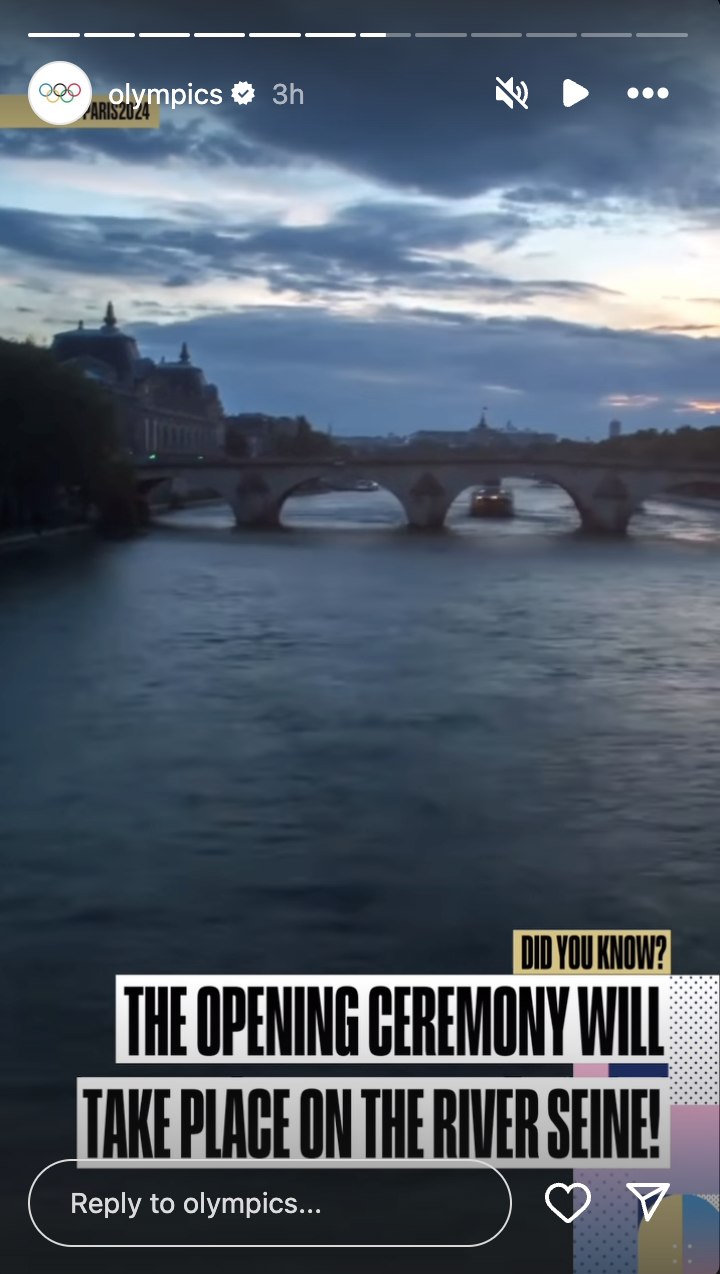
605,1237
694,1043
714,1199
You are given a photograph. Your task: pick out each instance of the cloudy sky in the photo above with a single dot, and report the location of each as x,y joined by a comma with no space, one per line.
401,250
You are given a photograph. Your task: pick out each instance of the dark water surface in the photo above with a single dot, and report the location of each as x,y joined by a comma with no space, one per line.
346,748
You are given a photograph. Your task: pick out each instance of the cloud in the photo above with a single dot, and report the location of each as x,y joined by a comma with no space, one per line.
684,327
399,372
455,192
631,401
371,247
419,115
202,140
703,408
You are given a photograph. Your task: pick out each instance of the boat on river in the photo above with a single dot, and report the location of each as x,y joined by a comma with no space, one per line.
492,501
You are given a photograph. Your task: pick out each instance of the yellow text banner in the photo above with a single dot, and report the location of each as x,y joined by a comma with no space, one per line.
16,112
592,951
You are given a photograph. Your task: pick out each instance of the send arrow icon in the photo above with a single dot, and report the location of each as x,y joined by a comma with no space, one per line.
573,92
644,1191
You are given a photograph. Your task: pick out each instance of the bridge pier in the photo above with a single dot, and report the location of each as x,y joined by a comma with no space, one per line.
605,517
425,502
426,515
605,507
255,504
253,513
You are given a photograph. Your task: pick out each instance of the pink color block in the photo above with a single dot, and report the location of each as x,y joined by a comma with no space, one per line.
694,1132
591,1070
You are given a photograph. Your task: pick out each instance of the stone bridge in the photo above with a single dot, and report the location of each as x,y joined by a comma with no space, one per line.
606,493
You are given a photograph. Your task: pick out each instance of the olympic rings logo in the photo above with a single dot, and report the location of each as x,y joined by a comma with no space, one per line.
59,92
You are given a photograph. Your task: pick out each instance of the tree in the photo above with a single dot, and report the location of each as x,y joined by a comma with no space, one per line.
236,442
305,442
58,447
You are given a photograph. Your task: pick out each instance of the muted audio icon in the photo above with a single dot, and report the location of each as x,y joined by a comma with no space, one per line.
507,93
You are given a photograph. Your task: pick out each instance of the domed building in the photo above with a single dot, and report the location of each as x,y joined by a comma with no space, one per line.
165,408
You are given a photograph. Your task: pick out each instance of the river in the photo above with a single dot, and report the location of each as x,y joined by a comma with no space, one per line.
347,747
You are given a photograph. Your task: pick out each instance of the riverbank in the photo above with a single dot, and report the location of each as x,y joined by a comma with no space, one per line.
20,541
168,506
17,541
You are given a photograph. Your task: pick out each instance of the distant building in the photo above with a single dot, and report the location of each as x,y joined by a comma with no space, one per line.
161,408
261,433
614,429
483,435
370,442
524,438
452,438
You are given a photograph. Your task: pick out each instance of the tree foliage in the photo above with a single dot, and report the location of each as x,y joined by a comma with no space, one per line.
306,442
236,443
58,448
292,437
685,445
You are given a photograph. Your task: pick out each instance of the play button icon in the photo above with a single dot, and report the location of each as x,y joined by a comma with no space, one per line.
573,92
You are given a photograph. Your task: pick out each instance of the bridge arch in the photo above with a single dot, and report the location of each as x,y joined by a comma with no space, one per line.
695,486
603,500
461,503
296,488
654,484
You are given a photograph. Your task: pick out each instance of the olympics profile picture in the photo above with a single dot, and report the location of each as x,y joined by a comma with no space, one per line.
59,93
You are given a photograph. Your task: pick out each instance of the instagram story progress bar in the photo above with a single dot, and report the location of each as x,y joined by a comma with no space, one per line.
363,35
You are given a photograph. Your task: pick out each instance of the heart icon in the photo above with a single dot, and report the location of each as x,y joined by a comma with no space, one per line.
577,1185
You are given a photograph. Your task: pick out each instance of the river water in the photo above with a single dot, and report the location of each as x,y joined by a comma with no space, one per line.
347,747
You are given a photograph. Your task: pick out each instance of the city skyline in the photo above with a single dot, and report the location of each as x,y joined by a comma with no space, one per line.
389,260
